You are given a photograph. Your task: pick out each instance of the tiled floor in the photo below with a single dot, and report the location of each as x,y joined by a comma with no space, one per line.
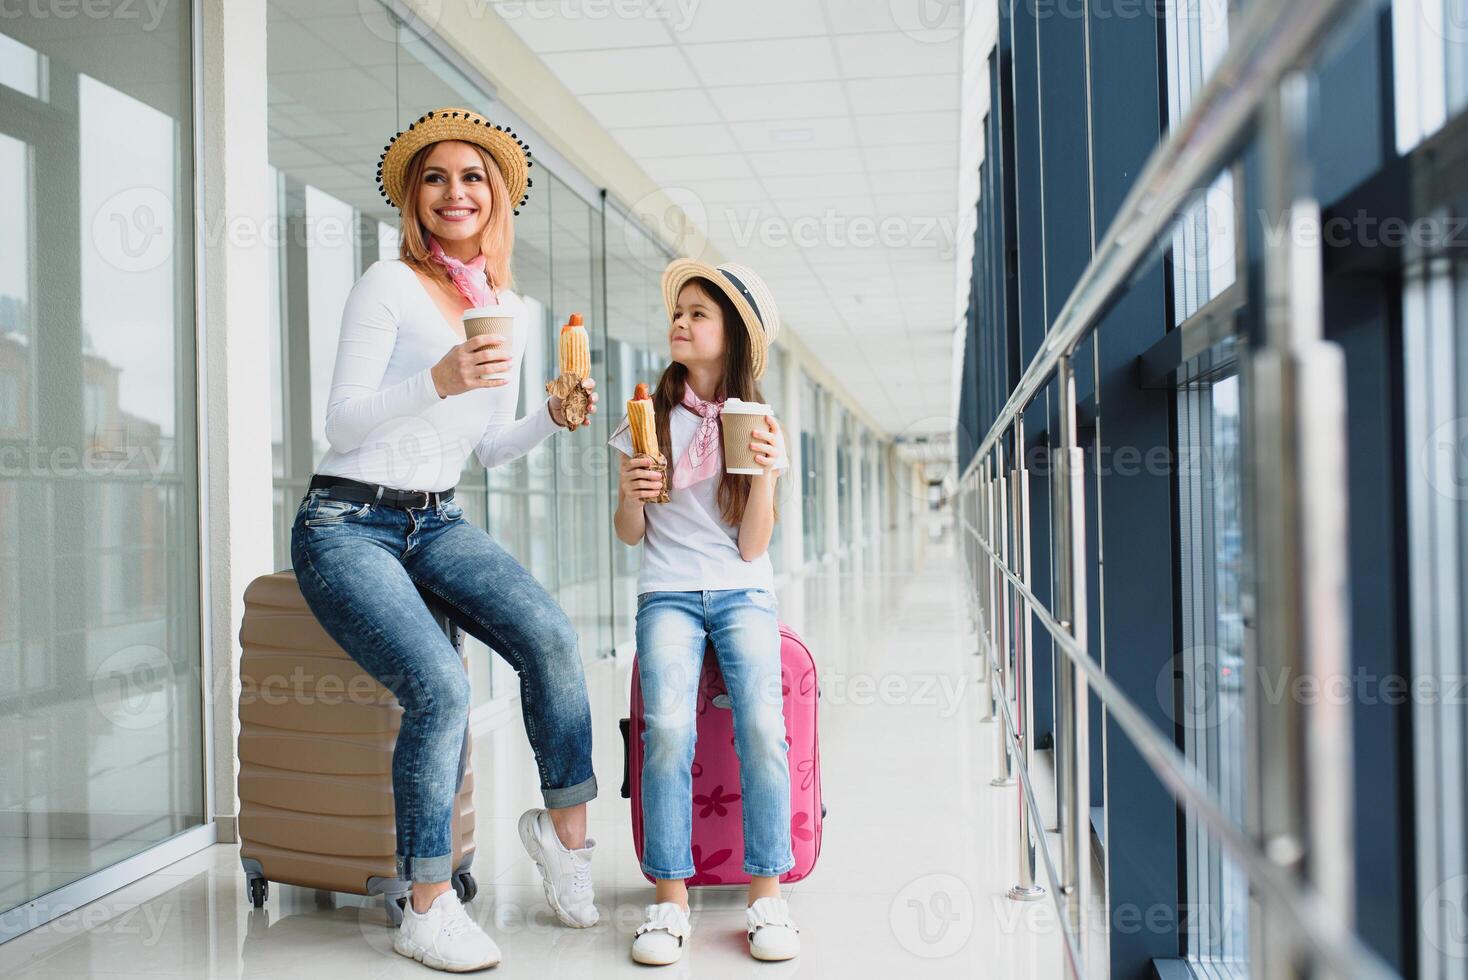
918,850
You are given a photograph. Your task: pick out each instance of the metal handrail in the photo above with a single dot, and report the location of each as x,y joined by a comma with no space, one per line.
1271,41
1345,953
1255,89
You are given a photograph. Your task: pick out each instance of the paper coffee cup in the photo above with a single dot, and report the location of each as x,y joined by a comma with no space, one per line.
489,319
740,419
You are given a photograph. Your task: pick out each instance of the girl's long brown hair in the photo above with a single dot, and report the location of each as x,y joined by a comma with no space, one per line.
496,242
739,382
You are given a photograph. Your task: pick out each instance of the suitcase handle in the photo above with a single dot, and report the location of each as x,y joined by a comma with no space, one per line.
626,726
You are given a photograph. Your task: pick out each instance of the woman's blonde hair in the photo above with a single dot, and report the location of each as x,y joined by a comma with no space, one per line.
497,241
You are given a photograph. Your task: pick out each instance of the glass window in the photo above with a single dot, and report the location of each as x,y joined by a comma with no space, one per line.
1435,350
583,521
637,350
845,479
1212,710
1430,62
812,480
772,388
99,553
549,509
1204,261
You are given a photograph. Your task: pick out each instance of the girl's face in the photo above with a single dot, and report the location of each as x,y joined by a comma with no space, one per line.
696,337
454,195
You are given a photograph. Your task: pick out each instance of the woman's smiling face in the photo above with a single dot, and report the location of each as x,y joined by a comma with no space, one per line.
454,196
696,335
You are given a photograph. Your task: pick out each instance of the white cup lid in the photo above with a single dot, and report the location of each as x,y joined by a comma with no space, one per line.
740,407
479,311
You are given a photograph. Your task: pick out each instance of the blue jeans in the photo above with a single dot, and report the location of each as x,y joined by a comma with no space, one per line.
673,629
360,567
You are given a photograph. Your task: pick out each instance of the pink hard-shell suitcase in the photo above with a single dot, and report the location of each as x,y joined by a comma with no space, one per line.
718,827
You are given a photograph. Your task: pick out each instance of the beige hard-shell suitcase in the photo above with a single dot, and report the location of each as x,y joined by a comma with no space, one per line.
316,743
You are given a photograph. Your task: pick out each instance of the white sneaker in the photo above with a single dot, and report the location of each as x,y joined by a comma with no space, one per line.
772,933
565,873
444,937
663,934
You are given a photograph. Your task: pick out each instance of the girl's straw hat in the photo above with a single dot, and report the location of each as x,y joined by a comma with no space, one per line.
510,153
745,289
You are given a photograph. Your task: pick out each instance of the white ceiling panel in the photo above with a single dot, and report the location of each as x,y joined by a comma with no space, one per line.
786,60
652,69
816,141
684,169
778,163
870,96
746,20
830,133
562,26
741,103
667,141
895,53
626,109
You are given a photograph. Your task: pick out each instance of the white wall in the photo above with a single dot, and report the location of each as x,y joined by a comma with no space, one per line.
233,204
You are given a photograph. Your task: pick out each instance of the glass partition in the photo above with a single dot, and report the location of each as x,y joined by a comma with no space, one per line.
100,704
813,475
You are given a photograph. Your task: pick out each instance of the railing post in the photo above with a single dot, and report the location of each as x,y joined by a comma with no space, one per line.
1070,609
1027,890
1002,618
1300,753
984,504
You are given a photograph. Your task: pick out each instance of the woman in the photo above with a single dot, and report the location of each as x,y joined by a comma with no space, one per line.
410,398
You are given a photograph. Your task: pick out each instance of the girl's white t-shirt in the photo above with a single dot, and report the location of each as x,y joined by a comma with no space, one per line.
384,419
687,546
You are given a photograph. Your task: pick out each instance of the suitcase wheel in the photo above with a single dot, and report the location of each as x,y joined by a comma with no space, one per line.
465,886
259,891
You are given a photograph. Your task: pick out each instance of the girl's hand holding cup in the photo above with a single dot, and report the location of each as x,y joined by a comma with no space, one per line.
640,480
764,445
479,362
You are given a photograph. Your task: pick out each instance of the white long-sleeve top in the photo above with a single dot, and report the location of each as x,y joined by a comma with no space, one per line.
384,418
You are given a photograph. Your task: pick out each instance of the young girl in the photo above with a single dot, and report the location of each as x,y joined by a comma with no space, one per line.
706,575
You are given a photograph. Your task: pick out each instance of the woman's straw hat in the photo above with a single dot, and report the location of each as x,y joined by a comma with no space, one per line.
507,150
745,289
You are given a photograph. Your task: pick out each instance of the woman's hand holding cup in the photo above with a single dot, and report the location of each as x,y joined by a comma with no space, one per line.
640,480
479,362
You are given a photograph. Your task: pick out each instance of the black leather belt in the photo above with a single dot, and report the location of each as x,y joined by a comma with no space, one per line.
340,488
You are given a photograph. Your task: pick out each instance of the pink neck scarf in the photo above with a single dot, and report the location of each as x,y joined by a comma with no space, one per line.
469,278
703,457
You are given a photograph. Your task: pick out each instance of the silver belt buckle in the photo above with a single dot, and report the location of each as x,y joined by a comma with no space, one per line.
427,499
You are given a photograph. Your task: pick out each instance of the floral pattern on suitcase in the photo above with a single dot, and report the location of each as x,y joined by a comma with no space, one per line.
718,840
